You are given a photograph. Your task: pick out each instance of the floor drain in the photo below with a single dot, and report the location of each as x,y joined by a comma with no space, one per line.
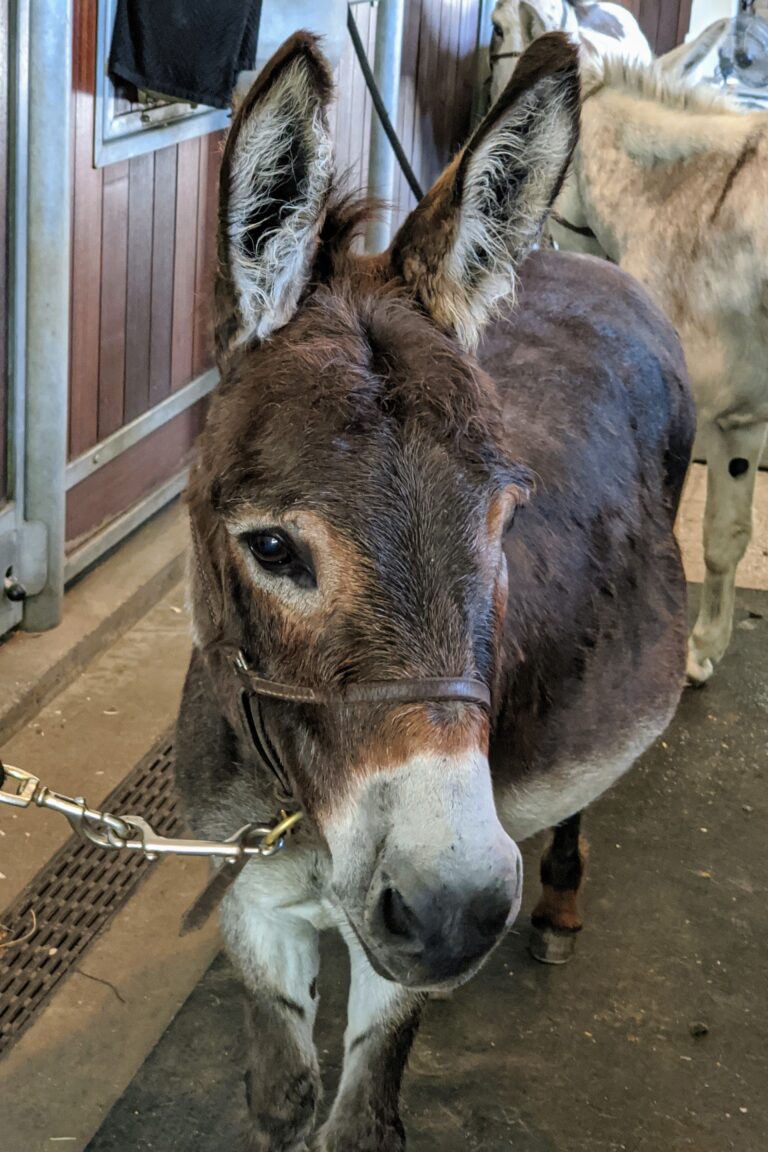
75,894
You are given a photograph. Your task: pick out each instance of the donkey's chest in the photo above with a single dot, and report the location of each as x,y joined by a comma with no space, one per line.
542,796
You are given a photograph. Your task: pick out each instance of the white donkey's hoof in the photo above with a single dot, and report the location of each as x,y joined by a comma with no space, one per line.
698,668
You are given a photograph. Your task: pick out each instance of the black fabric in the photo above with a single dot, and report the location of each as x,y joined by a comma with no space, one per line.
190,49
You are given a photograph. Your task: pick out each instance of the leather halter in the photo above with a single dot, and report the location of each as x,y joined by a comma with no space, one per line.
579,229
255,688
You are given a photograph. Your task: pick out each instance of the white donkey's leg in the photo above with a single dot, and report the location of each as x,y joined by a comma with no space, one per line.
274,943
732,460
381,1024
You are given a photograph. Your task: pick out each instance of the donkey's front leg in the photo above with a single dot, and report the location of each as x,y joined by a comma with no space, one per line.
381,1024
556,920
277,953
733,456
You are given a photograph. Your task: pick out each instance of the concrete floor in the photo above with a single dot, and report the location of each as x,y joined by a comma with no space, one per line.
654,1038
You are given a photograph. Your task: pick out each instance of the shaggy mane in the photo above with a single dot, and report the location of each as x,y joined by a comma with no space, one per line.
649,82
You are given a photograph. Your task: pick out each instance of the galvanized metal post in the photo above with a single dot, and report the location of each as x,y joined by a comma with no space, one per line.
381,162
48,292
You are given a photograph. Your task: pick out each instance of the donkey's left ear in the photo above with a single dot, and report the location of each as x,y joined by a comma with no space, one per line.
276,176
459,249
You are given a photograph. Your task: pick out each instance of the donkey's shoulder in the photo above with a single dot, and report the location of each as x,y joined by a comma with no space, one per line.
586,345
592,375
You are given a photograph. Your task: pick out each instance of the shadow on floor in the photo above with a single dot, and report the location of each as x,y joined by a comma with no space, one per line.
654,1038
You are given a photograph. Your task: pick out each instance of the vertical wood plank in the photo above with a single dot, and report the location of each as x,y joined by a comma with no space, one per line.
429,162
86,240
406,111
114,277
202,355
141,180
683,21
185,251
163,239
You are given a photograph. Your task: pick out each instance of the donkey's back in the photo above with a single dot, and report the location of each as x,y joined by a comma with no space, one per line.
596,404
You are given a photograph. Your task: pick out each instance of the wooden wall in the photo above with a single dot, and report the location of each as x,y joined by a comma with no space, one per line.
4,111
664,22
435,92
142,253
143,240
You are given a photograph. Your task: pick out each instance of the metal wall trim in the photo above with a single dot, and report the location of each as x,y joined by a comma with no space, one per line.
95,458
46,334
116,530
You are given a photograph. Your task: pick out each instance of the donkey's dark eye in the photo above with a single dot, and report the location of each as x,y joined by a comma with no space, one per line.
277,554
498,31
271,550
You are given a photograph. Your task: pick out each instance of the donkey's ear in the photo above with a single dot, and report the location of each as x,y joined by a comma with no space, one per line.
686,57
276,175
531,23
459,248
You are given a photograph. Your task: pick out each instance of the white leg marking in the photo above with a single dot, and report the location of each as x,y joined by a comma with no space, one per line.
732,460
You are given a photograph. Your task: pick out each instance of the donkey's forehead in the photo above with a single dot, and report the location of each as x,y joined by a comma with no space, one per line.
354,390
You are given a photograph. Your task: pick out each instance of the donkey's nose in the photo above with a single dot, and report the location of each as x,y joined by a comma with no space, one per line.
438,931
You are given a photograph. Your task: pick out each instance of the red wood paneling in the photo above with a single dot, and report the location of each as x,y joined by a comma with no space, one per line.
205,258
142,248
4,134
435,97
114,292
185,251
86,242
163,245
664,22
128,478
138,312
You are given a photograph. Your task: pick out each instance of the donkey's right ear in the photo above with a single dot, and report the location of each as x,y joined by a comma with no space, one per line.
276,176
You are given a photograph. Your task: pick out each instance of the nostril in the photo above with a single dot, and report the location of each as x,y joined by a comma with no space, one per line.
397,917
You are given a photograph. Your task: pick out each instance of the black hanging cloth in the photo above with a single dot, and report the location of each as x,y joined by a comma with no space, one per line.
190,49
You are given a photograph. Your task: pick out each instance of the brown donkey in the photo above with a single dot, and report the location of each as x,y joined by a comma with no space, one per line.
437,599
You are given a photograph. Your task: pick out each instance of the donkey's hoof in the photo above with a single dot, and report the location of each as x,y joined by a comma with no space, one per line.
698,669
551,947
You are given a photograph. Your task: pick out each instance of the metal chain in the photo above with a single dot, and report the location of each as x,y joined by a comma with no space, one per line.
133,833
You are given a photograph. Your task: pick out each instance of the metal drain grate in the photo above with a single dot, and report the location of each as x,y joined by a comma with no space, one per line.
75,895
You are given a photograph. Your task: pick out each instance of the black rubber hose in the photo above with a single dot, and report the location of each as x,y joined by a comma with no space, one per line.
378,104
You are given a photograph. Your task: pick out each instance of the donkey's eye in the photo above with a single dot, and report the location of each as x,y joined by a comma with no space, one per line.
498,31
277,554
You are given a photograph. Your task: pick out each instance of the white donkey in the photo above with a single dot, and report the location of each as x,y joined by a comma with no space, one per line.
606,28
671,183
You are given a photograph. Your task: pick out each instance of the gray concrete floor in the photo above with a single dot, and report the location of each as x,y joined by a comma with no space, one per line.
653,1039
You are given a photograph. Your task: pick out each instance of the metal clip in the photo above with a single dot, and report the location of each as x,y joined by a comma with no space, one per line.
252,840
22,796
134,833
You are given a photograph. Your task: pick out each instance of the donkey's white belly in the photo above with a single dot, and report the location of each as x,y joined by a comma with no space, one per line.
528,806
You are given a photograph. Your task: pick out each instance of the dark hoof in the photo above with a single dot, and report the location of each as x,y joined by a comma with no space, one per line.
551,947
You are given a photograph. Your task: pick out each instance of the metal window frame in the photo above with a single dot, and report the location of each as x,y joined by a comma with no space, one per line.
137,133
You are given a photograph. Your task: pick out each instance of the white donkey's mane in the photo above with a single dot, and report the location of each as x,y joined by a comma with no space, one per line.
650,82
